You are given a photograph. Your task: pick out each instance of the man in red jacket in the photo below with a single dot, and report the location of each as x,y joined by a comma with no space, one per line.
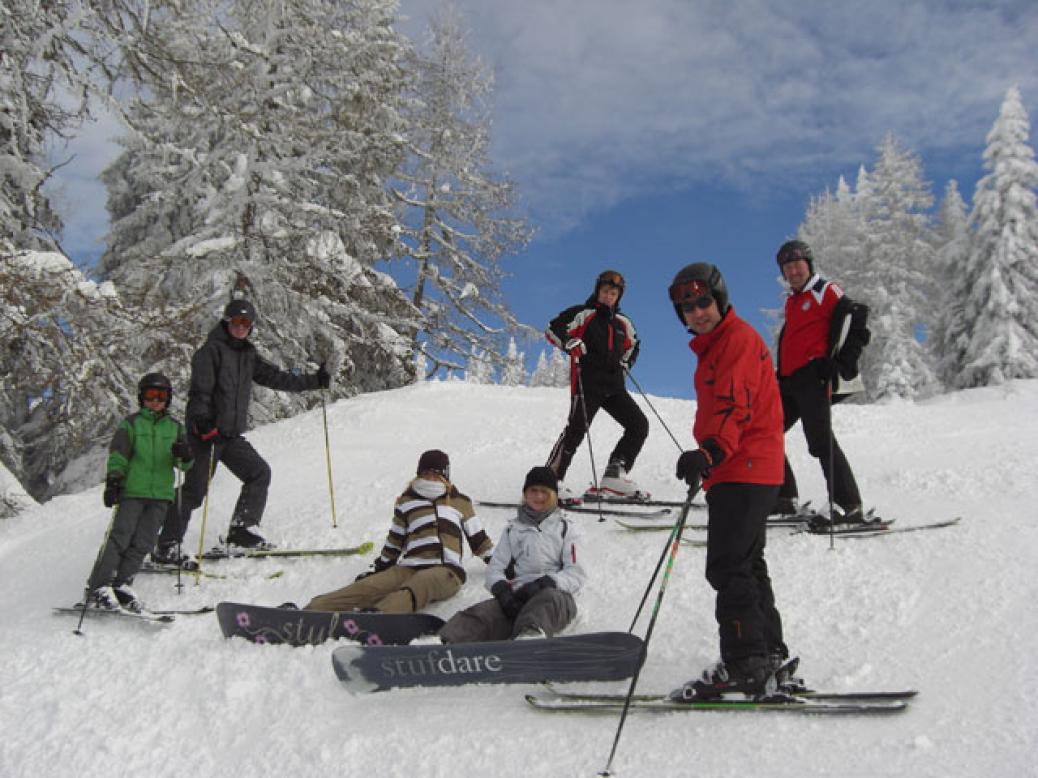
738,427
810,357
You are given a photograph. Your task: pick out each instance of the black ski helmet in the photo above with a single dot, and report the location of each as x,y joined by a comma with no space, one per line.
684,287
154,381
237,308
613,278
792,250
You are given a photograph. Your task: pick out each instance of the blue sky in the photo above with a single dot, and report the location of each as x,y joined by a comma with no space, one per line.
643,140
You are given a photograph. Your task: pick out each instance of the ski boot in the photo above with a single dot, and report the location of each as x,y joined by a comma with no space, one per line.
127,598
247,537
750,675
103,598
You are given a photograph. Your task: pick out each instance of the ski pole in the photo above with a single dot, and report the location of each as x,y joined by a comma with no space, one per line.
205,511
180,548
832,474
646,398
86,590
328,458
587,434
675,542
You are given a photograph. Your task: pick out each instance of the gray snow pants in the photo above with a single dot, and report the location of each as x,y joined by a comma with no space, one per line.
550,610
134,528
238,455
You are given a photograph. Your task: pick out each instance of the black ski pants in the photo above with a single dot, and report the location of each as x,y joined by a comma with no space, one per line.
238,455
748,621
806,399
622,407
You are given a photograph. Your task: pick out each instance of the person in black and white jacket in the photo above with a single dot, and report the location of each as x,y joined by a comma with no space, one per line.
602,345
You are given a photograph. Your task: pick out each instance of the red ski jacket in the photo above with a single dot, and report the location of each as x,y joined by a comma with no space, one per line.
738,405
809,315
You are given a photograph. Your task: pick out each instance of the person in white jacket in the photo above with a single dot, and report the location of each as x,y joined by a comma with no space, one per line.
534,573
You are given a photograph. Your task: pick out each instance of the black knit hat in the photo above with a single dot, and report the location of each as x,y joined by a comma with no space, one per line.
236,308
542,476
435,460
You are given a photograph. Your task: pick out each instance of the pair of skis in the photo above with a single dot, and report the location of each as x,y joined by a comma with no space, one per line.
156,617
803,701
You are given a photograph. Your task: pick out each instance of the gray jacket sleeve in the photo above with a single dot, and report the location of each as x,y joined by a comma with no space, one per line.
266,374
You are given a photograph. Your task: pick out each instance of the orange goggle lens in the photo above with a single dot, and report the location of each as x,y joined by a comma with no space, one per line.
687,291
155,394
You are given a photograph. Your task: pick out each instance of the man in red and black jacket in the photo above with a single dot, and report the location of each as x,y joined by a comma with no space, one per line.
738,428
602,345
813,353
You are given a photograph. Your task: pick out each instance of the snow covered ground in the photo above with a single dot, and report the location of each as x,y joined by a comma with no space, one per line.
952,611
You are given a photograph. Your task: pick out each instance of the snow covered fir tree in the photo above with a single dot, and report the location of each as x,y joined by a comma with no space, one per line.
990,334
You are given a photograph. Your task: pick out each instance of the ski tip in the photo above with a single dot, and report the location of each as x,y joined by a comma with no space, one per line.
346,664
365,547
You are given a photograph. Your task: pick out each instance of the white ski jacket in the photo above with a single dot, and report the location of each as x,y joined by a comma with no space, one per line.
527,551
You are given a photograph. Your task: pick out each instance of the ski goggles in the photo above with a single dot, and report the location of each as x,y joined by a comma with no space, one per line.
155,393
689,295
240,321
612,278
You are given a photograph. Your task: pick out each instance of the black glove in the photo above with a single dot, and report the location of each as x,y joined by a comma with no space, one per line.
113,490
529,590
691,465
847,359
376,567
181,450
506,598
825,368
206,429
324,378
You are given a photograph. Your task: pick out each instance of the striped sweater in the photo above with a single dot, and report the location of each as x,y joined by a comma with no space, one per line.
429,532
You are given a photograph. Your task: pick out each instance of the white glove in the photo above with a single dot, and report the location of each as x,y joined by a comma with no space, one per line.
576,347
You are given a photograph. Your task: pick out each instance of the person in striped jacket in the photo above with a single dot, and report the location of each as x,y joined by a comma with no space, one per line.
421,561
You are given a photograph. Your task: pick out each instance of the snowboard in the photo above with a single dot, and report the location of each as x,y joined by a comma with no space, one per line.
264,624
597,656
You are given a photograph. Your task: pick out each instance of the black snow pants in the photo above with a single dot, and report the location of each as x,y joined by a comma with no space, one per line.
748,621
238,455
806,399
622,407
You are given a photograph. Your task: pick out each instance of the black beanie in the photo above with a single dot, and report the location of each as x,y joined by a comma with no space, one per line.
542,476
435,460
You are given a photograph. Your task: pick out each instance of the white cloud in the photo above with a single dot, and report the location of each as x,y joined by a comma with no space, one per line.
600,100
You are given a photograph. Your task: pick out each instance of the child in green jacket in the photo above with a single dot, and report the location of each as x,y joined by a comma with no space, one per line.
146,447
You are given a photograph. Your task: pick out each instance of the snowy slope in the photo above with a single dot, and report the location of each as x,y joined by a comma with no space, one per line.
951,612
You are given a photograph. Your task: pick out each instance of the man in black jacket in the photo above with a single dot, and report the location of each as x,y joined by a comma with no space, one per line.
602,345
222,373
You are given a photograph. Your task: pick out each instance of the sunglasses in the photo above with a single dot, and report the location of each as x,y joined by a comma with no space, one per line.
155,394
700,302
612,278
241,321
